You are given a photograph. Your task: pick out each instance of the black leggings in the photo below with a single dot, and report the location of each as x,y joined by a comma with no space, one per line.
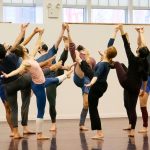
96,91
130,95
51,91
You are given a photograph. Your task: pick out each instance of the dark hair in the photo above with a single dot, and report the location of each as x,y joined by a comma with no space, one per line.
45,47
80,48
18,51
2,51
143,52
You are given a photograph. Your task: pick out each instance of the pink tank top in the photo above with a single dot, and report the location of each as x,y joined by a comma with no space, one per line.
35,71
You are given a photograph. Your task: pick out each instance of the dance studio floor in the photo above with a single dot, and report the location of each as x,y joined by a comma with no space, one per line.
68,137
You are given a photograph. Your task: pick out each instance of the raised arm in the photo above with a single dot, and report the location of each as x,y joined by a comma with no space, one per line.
140,40
60,36
125,38
112,39
20,36
38,43
28,39
68,33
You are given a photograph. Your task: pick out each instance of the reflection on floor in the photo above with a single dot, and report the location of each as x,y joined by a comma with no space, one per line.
68,137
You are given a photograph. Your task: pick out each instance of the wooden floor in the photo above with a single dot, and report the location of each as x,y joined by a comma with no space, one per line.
68,137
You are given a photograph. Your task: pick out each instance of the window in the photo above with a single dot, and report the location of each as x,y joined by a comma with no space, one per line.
19,1
141,3
74,2
19,14
108,16
22,11
141,16
109,2
73,15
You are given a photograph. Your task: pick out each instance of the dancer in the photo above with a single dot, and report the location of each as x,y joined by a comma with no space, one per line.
6,105
39,82
51,91
132,78
79,78
98,86
143,96
9,62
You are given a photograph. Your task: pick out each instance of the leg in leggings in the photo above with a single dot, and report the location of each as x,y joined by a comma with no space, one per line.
127,106
62,58
87,69
7,107
12,101
94,115
85,91
8,116
39,92
11,89
133,116
96,91
25,95
51,92
121,73
143,106
84,112
144,116
88,73
51,96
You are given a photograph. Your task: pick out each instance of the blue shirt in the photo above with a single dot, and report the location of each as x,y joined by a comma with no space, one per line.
101,71
51,52
9,64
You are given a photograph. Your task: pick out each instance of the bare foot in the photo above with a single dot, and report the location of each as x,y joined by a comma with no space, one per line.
83,128
17,136
11,134
53,127
98,136
29,132
78,59
42,137
144,130
128,128
131,133
68,73
69,67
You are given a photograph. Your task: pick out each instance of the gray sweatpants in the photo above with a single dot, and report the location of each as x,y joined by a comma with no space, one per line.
23,83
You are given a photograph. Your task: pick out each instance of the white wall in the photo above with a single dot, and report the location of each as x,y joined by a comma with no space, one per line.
93,37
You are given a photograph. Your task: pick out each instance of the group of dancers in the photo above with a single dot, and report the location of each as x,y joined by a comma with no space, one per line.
22,71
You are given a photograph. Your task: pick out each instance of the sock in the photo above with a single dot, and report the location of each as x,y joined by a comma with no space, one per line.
83,116
144,116
39,125
62,78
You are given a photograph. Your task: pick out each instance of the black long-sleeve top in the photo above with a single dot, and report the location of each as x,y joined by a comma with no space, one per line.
137,67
